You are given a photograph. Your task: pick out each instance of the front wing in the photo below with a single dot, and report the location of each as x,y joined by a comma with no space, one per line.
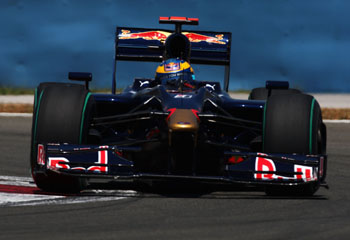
241,167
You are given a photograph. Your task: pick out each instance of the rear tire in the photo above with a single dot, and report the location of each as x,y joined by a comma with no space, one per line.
293,124
262,93
61,114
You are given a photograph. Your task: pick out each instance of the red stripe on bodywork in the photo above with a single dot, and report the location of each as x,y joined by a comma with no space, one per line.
195,112
171,112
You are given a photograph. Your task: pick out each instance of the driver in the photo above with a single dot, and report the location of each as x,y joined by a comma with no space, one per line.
175,73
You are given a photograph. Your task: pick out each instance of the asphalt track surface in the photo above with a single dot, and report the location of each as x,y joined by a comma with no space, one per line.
181,215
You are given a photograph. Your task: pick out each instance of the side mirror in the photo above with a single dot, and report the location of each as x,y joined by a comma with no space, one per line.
277,85
81,76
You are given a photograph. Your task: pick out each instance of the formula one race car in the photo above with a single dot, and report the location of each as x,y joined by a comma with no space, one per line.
175,128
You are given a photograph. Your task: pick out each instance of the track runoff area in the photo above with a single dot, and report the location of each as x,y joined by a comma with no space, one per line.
22,191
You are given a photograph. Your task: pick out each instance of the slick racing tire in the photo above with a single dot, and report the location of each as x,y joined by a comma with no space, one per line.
262,93
293,124
61,114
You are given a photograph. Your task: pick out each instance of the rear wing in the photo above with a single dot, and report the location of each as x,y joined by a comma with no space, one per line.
146,44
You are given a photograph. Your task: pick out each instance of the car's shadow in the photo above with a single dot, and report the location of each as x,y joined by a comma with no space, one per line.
190,190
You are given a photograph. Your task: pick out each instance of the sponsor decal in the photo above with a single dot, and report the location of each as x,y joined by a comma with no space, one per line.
102,159
210,86
307,173
162,36
182,96
56,163
172,67
148,35
144,83
263,164
195,37
41,155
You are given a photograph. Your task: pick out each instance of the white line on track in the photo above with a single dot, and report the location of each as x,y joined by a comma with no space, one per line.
22,191
5,114
59,200
336,121
17,199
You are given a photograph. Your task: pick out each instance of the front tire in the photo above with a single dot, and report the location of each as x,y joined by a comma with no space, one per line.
61,114
293,124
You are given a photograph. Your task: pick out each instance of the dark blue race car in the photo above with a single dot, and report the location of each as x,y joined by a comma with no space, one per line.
174,127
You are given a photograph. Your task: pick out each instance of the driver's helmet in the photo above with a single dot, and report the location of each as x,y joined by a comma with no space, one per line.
175,71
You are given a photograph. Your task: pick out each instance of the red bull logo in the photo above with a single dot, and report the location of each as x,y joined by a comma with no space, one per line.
162,36
195,37
149,35
172,67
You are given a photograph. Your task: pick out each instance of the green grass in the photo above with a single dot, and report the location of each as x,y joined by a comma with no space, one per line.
16,91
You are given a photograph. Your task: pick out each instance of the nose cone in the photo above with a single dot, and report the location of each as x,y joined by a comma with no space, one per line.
183,120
